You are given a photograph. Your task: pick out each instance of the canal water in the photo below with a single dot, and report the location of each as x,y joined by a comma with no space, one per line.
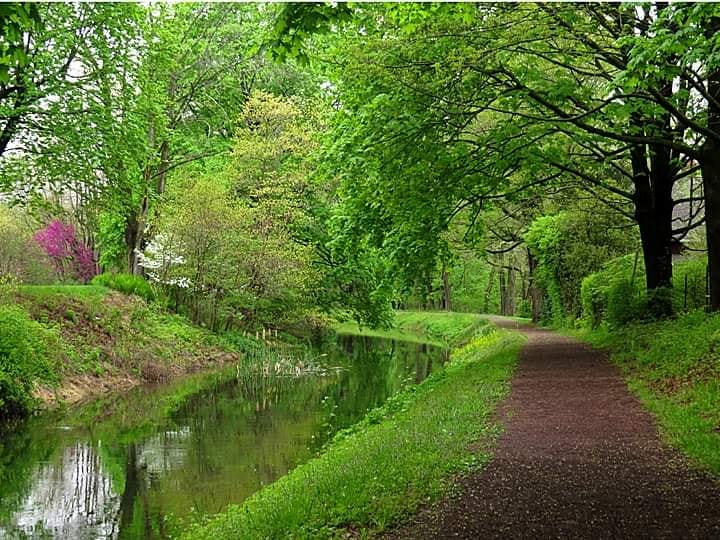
140,465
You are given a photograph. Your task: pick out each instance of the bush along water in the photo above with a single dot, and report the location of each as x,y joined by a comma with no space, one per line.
24,361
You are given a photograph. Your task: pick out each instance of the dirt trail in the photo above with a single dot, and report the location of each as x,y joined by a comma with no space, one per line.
580,458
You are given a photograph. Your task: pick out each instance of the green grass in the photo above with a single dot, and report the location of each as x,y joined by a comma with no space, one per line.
674,368
126,284
400,456
440,328
41,291
91,330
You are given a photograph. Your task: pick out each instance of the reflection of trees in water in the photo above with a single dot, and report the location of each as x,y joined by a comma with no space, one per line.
263,390
218,447
71,498
22,447
375,369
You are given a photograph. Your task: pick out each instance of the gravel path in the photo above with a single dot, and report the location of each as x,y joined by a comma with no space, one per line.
580,458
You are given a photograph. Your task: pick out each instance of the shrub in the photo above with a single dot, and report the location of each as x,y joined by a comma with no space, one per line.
126,284
23,361
608,296
71,258
615,292
524,309
624,304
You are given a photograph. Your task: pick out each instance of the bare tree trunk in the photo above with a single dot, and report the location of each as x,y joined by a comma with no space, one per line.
488,290
710,167
446,290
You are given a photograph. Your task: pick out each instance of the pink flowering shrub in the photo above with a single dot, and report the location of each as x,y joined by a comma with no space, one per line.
71,259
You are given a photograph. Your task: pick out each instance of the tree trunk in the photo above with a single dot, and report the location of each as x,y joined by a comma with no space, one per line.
711,183
653,213
710,168
488,290
132,488
131,234
509,297
446,290
503,290
429,304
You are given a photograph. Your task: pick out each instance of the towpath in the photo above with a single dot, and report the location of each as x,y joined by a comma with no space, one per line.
579,458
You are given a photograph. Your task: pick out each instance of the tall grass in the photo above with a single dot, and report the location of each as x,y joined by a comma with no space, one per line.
126,284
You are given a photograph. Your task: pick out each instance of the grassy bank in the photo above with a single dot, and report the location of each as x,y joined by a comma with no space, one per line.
440,328
81,341
399,457
674,367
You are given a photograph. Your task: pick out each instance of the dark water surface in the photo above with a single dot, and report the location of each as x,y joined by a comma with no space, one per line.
136,465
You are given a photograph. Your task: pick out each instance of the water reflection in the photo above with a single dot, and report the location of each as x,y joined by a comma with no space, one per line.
72,497
135,467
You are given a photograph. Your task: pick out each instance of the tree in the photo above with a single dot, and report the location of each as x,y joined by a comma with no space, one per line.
54,61
680,49
63,109
477,82
71,258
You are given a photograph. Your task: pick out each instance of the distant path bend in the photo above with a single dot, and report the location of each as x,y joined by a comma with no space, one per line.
580,458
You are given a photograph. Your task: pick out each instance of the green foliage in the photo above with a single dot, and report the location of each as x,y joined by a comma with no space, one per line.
400,456
689,284
16,18
443,328
524,309
544,240
569,247
674,366
625,303
24,361
20,256
127,284
595,289
471,287
616,294
295,22
111,240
